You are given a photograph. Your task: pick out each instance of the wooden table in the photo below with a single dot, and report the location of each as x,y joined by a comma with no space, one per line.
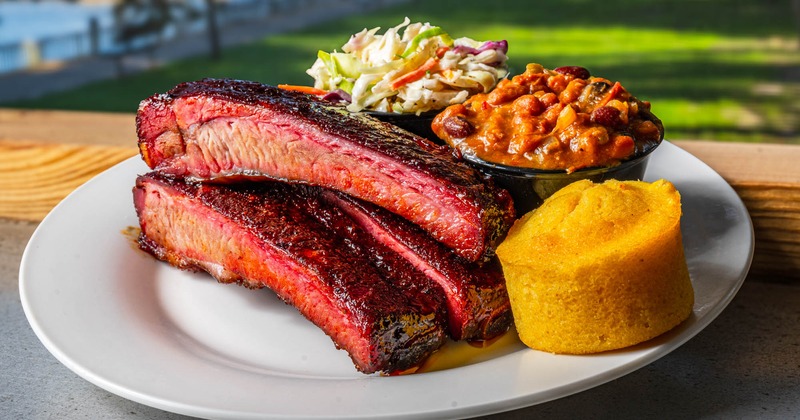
46,154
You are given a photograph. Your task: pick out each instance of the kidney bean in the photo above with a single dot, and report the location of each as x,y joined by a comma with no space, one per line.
577,72
457,127
607,116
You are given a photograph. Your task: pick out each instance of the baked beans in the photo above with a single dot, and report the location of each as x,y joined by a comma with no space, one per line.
560,119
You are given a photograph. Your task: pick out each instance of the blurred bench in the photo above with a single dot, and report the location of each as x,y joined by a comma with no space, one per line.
138,30
144,46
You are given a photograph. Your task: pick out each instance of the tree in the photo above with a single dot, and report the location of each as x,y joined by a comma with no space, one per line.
213,30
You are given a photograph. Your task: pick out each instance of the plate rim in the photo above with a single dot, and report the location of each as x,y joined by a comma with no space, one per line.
484,408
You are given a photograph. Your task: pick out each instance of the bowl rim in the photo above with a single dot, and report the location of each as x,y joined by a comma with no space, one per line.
521,171
426,114
638,157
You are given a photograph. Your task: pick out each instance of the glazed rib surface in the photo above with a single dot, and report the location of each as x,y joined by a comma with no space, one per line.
221,129
267,234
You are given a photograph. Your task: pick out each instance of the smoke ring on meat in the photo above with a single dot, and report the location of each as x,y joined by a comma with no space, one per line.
221,129
261,235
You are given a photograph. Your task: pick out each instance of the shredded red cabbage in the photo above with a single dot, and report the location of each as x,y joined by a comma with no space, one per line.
501,46
338,95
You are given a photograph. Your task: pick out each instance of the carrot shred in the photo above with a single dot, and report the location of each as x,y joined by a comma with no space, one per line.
305,89
614,91
413,75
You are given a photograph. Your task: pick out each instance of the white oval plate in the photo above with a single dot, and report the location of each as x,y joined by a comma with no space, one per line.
183,343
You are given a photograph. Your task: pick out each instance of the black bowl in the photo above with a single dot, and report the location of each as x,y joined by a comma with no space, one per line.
417,124
530,187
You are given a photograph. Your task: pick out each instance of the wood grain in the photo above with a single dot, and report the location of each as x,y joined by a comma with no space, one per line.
34,177
44,155
767,179
68,127
749,163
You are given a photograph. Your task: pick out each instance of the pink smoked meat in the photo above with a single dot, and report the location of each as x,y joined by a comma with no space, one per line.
266,234
215,129
477,300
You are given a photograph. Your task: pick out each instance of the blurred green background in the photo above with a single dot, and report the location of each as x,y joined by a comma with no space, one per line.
723,70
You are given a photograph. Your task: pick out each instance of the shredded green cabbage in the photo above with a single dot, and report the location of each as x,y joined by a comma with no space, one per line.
418,70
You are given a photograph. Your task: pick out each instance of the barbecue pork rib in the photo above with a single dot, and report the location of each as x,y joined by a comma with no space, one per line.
214,129
264,235
477,300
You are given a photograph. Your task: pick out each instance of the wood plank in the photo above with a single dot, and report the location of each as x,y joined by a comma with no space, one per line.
767,178
68,127
34,177
749,163
44,155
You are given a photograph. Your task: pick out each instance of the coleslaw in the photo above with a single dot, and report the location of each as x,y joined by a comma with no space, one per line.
420,70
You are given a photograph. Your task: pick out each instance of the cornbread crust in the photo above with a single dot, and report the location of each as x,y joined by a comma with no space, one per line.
598,267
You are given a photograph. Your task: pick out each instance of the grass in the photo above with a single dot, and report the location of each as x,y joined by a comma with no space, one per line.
713,69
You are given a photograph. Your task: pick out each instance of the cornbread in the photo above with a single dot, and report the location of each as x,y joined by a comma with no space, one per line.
598,267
